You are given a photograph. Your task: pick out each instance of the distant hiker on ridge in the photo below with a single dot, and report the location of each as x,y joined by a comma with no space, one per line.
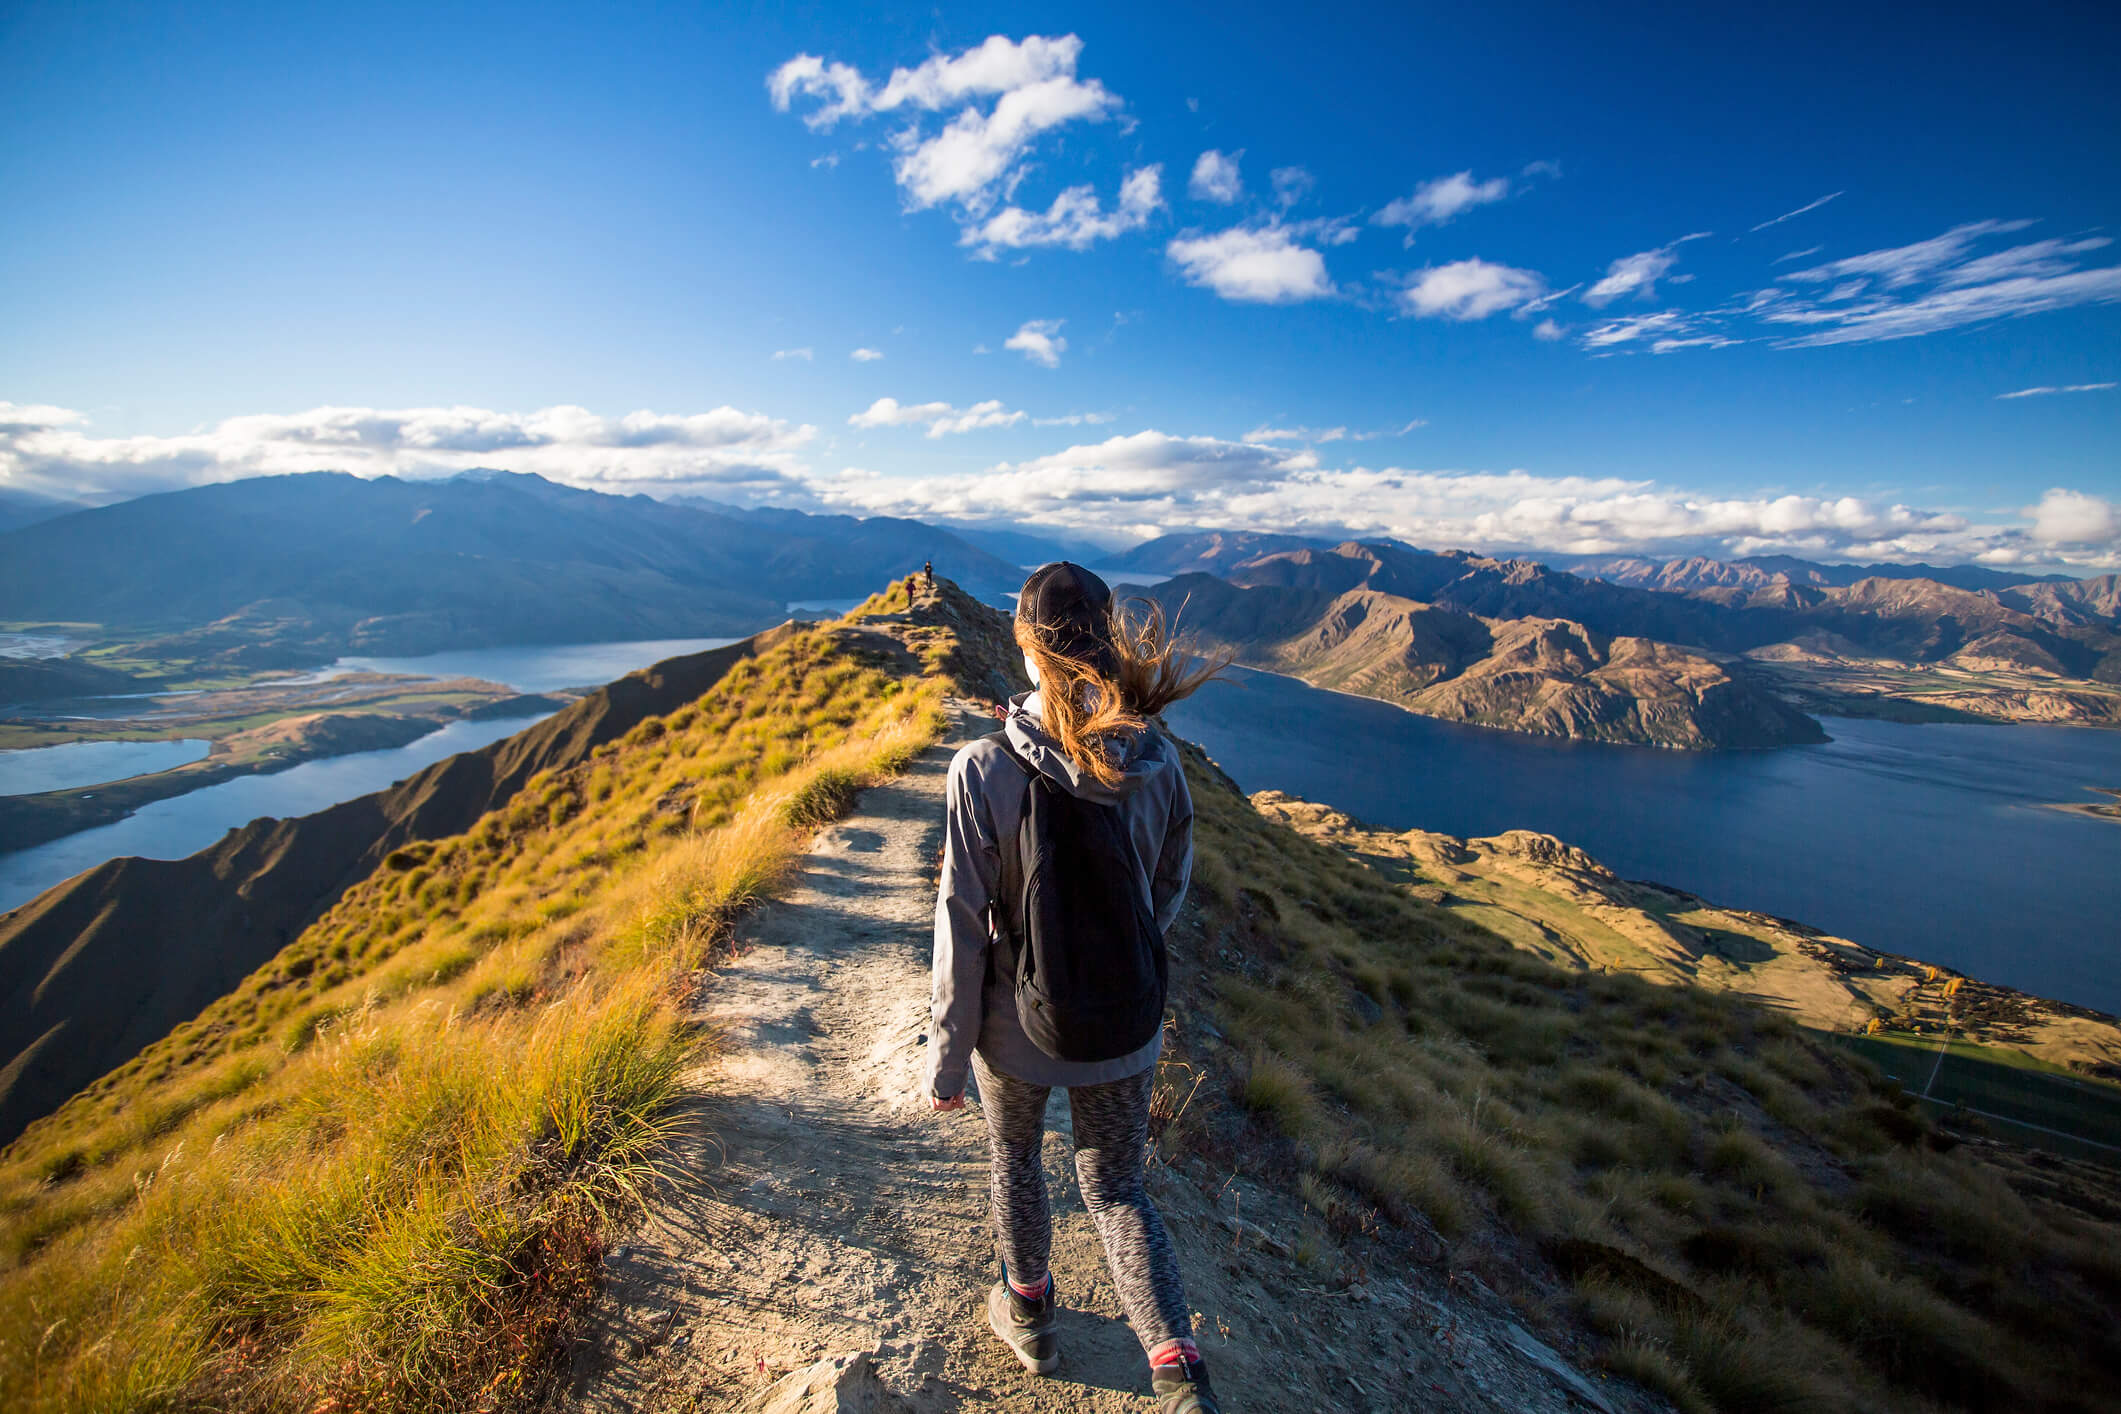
928,576
1067,848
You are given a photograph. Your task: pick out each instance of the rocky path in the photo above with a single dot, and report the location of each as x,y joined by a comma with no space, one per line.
825,1245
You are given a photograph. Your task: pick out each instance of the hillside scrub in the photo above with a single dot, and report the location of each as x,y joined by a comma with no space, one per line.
1743,1217
381,1172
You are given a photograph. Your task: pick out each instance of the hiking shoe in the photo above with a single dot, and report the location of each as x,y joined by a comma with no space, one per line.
1183,1389
1029,1328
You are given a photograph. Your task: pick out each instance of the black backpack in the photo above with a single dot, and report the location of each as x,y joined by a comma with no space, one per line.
1079,939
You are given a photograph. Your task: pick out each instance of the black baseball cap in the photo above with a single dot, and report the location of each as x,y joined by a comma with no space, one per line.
1071,609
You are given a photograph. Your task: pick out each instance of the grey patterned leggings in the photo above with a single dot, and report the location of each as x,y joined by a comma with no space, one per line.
1111,1124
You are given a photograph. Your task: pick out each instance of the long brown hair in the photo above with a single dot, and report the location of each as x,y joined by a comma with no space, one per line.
1084,709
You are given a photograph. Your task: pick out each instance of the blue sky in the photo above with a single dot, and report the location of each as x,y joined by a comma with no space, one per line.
1121,270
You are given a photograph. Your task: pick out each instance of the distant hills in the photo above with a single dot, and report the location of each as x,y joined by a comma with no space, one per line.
1686,575
1422,631
20,508
282,570
1729,663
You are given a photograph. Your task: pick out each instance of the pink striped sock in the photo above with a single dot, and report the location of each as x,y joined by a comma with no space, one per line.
1176,1351
1035,1291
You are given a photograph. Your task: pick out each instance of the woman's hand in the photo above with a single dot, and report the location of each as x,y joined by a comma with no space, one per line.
942,1102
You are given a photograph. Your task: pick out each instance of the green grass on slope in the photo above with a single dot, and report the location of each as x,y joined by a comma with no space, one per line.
2043,1106
378,1174
1747,1218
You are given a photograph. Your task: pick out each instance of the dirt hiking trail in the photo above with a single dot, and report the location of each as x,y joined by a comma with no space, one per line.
824,1243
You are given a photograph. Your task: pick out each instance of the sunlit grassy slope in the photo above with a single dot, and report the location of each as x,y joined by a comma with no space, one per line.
380,1171
1729,1207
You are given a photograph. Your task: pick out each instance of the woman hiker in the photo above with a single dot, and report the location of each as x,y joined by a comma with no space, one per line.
1079,783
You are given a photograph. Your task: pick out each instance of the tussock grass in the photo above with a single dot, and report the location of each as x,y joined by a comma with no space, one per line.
380,1173
1743,1218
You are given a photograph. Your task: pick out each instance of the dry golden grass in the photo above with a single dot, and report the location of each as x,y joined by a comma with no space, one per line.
1742,1216
380,1172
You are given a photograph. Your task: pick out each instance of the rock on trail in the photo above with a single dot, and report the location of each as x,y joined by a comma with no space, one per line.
824,1243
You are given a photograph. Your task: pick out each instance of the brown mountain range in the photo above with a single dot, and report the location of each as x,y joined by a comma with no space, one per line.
1727,662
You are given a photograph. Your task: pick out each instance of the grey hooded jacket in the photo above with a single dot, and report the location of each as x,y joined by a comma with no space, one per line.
975,1011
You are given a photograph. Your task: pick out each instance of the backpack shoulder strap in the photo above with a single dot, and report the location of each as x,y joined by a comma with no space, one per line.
1005,907
1001,739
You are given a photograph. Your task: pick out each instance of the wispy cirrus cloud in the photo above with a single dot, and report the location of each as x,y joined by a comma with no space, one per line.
941,419
1321,435
1639,273
1440,200
1787,215
1933,285
993,104
2045,392
804,354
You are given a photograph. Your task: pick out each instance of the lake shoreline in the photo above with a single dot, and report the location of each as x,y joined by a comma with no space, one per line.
1917,843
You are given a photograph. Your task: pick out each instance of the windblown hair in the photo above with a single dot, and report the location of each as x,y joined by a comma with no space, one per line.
1084,710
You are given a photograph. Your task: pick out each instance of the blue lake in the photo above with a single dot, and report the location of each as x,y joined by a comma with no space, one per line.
35,769
185,824
1933,841
181,825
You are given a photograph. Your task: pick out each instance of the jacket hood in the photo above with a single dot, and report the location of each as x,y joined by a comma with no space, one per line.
1140,754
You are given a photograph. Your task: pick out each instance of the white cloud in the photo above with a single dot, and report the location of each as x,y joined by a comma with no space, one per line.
1697,341
1548,330
1797,254
843,89
2073,518
1906,265
1469,289
1541,168
830,159
1637,274
1040,341
50,450
804,354
1215,177
1073,419
2050,391
1129,486
1296,434
1151,482
977,152
942,419
1291,185
1439,200
1666,323
1808,206
865,355
1001,97
1253,264
1880,295
1075,219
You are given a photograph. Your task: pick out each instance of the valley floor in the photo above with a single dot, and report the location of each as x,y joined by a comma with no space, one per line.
818,1210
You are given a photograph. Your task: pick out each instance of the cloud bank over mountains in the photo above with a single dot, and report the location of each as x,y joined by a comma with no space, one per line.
1123,488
